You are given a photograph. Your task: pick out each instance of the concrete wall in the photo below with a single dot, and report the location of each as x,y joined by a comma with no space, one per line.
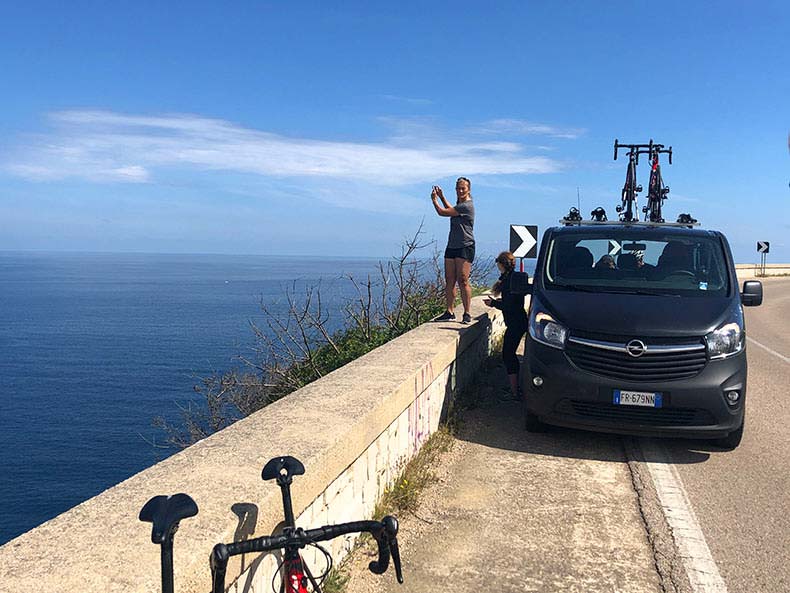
748,271
353,430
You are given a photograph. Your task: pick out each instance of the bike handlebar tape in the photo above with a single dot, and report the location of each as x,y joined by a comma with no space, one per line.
380,566
259,544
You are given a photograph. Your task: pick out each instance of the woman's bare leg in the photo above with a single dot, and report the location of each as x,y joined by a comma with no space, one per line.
449,283
462,270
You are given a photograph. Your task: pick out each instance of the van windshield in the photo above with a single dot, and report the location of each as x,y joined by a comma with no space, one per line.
638,261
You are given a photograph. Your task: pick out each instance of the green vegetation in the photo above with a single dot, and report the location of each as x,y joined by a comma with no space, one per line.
336,580
296,348
404,494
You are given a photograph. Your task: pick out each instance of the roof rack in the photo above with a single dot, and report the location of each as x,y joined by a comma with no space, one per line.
573,218
638,223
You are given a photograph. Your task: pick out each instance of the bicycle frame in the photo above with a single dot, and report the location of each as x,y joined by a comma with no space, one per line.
657,193
166,512
628,206
296,575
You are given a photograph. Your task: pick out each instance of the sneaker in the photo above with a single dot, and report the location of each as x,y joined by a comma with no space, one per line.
467,318
446,316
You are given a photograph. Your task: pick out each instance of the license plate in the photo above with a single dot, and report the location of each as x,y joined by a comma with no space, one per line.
637,398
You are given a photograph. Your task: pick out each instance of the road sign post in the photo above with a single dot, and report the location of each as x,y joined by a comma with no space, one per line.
763,247
523,242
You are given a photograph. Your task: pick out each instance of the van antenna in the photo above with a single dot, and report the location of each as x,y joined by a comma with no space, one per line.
578,199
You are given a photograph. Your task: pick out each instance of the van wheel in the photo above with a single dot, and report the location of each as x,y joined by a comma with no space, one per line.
732,440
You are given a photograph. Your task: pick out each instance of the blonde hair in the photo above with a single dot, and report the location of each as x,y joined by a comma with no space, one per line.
508,262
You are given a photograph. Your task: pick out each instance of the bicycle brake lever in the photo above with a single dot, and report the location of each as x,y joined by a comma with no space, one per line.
384,537
395,553
390,524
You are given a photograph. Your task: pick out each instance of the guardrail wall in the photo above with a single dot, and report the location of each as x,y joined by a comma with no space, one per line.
747,271
353,429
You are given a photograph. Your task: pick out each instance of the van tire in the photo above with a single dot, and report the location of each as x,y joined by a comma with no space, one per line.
732,440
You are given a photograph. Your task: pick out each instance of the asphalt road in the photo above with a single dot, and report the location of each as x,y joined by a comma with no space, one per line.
578,511
515,512
742,498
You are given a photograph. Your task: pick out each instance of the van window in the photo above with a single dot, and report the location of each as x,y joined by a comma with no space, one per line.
638,261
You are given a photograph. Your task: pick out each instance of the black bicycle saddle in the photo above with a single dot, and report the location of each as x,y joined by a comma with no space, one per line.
165,512
282,468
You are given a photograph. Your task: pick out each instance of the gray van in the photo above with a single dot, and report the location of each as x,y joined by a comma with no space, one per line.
637,328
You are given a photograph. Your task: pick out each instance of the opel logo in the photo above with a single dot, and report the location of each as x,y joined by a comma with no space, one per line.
636,348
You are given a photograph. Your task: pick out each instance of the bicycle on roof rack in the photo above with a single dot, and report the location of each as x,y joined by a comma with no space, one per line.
628,207
656,190
166,512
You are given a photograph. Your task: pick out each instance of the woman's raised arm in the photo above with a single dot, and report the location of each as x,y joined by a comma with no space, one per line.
446,209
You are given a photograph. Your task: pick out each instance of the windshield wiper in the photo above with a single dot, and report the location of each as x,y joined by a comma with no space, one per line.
643,291
579,287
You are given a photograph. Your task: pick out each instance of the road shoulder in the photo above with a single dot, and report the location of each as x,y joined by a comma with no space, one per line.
528,512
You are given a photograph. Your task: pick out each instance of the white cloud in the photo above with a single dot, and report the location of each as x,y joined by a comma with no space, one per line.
521,127
103,146
408,100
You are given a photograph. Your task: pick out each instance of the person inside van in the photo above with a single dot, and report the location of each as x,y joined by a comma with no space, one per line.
676,257
574,261
606,263
627,261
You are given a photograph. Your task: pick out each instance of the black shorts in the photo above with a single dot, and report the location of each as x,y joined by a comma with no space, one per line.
467,253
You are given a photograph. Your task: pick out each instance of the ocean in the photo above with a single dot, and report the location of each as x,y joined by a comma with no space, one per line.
94,346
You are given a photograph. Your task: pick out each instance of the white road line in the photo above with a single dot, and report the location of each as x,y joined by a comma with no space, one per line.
702,571
767,349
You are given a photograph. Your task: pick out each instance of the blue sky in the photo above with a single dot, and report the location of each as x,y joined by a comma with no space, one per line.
307,128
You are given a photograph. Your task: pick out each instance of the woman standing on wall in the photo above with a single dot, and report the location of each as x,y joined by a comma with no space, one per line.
460,250
512,307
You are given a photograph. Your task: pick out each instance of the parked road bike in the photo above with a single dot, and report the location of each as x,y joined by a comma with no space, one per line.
656,190
628,206
166,512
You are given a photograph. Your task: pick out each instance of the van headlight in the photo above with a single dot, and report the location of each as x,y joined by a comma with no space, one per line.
725,341
545,329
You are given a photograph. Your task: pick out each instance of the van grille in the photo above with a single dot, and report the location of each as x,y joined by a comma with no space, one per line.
661,361
636,415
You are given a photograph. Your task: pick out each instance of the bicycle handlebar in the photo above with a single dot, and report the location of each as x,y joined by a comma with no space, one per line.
634,150
384,532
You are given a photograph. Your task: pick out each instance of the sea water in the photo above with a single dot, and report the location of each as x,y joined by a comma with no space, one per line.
94,346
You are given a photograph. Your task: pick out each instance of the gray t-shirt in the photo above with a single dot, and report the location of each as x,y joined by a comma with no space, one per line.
461,226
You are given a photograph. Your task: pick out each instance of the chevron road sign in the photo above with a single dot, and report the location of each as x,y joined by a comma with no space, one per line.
614,247
763,247
524,240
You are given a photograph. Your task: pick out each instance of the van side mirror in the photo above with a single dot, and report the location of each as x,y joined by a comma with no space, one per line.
752,294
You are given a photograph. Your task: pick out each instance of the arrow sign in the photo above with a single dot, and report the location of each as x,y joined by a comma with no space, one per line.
763,246
614,247
523,240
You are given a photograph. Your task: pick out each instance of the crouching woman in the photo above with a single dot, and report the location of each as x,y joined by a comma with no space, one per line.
512,307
